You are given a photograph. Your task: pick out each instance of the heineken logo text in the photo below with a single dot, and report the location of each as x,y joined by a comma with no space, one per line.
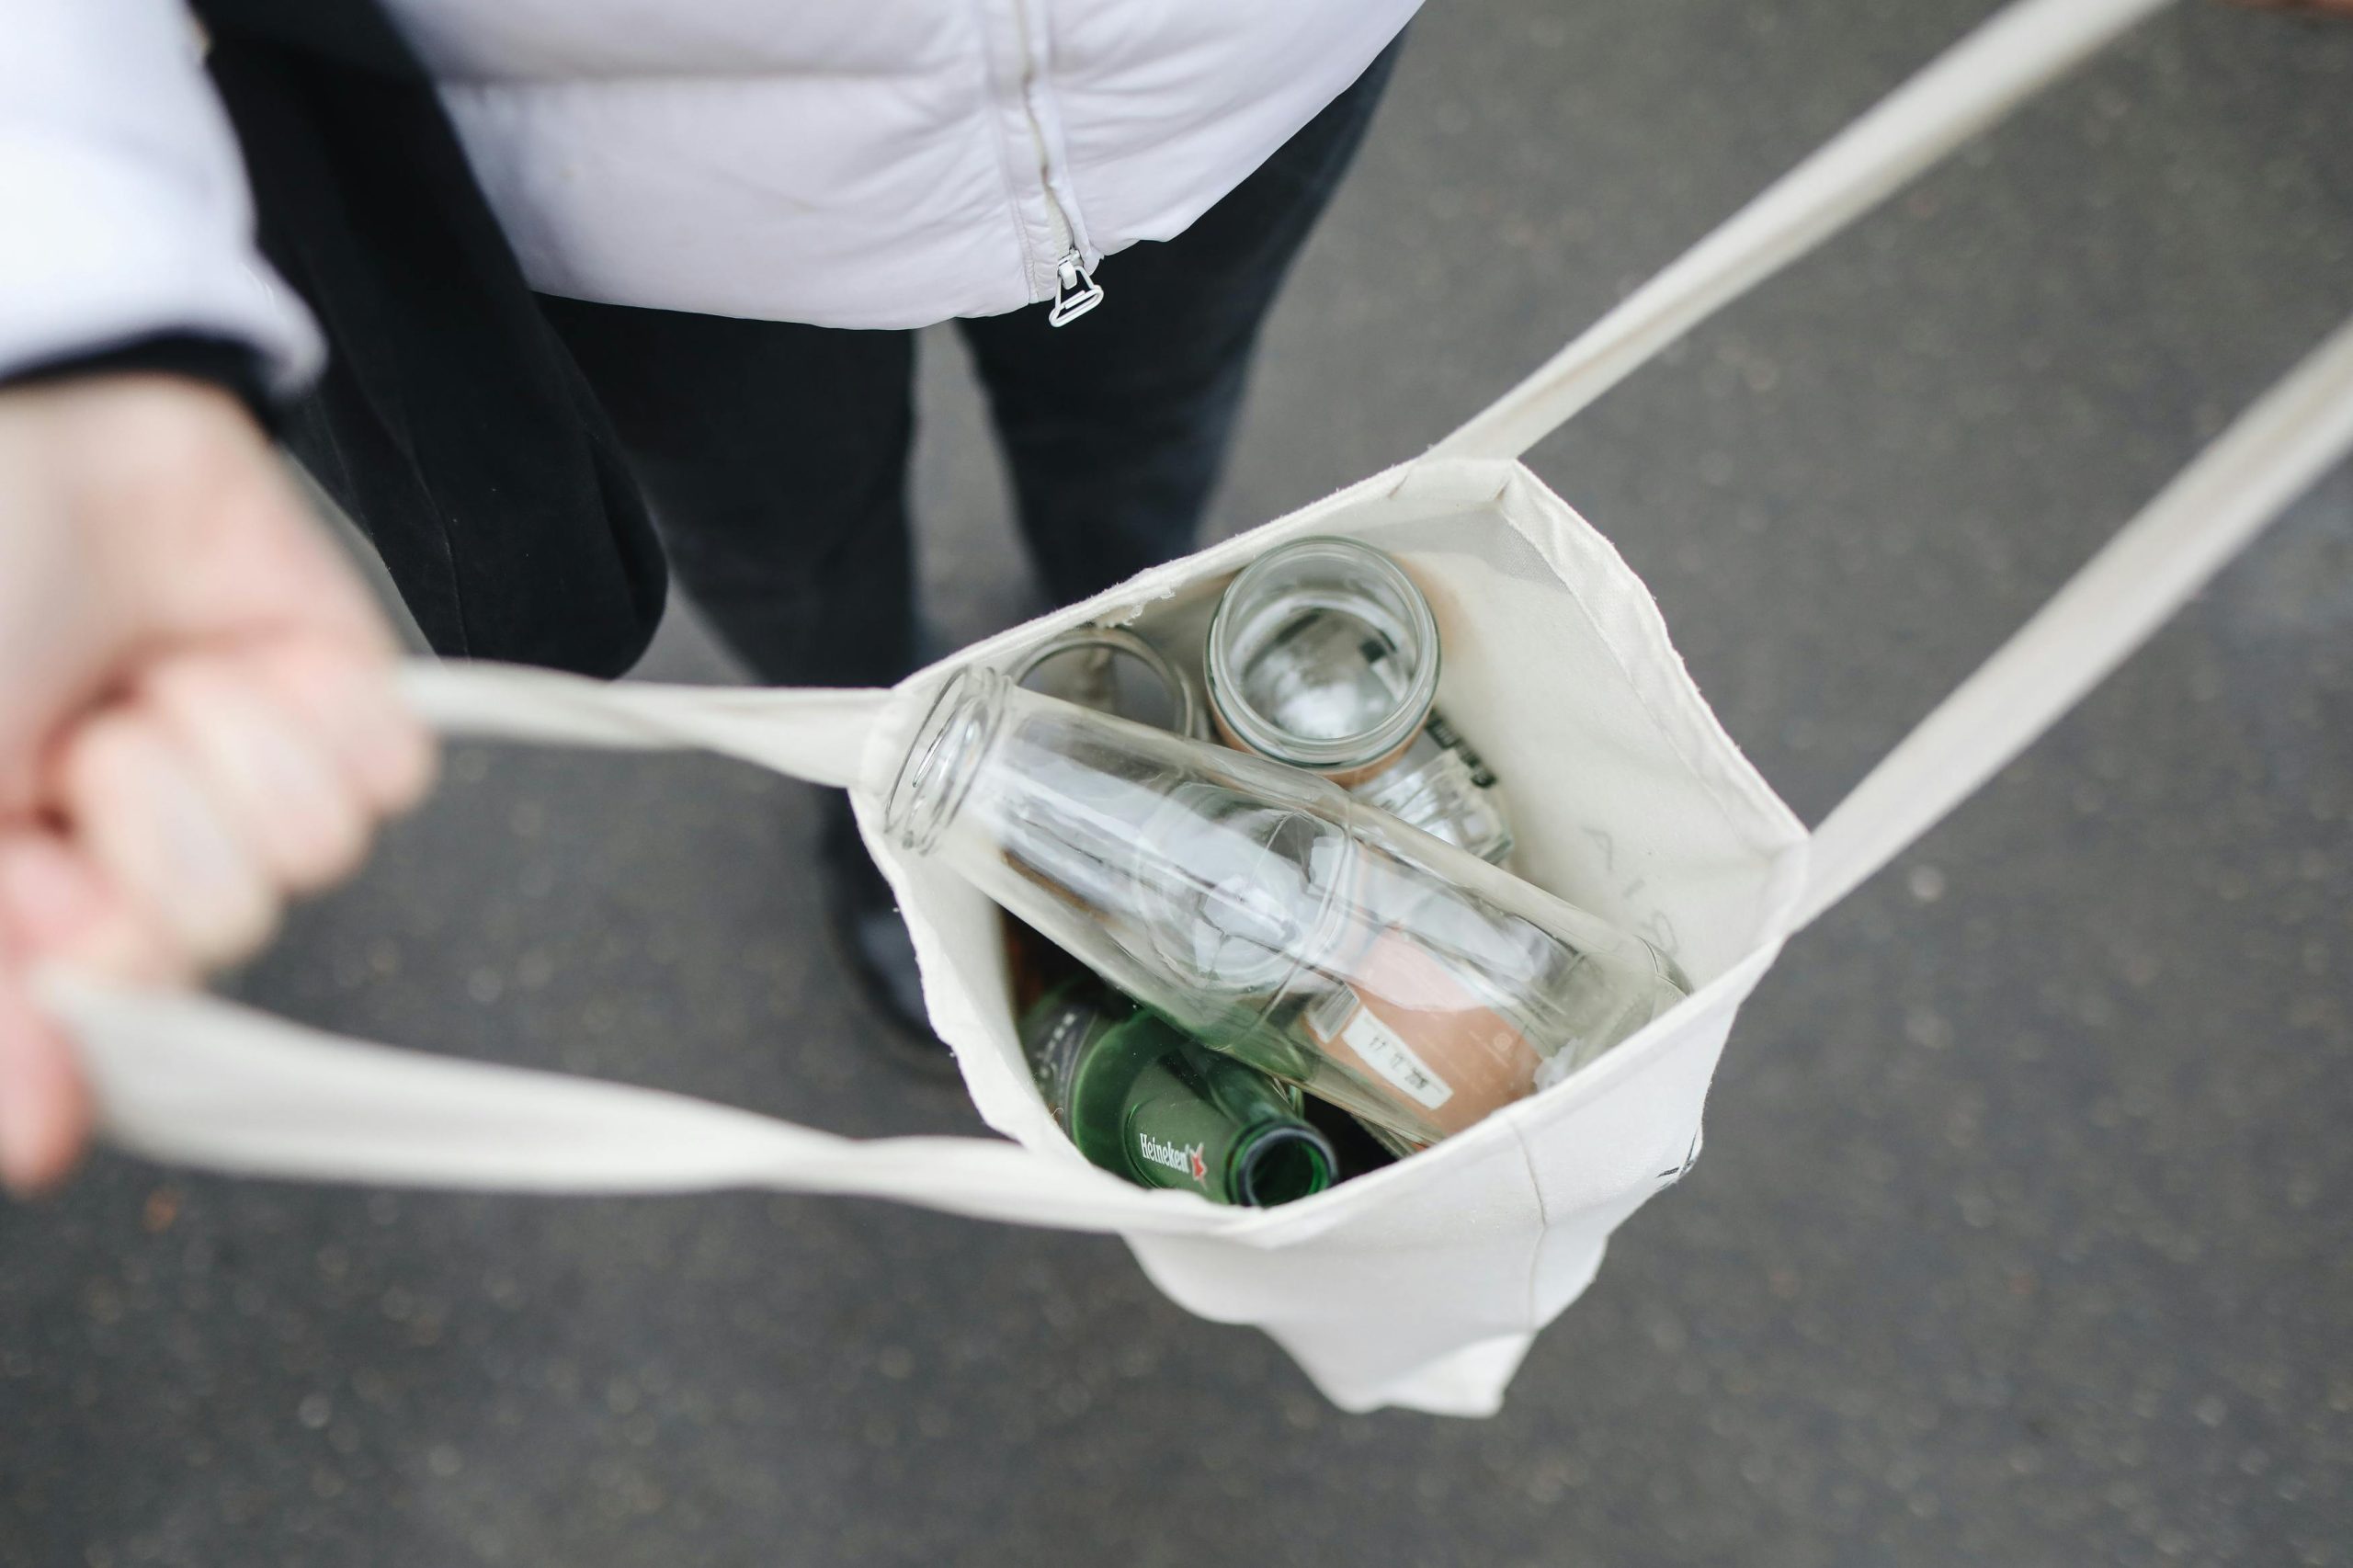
1183,1162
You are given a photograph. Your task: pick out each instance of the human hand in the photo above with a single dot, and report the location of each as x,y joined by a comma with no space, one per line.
197,717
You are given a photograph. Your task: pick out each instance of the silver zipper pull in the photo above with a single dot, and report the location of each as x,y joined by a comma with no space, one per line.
1075,293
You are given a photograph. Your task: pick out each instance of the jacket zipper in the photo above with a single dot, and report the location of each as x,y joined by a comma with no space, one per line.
1076,290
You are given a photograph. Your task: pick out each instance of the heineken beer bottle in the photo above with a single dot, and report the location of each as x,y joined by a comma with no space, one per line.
1142,1101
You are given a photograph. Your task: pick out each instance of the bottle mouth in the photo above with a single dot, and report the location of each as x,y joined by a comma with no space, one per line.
1273,598
1112,670
943,758
1284,1162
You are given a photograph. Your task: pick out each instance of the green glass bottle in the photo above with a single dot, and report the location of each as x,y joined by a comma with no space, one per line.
1144,1100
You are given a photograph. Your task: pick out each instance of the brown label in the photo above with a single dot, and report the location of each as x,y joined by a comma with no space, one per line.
1410,1024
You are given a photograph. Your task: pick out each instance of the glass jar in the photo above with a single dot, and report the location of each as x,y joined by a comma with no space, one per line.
1112,670
1323,653
1268,913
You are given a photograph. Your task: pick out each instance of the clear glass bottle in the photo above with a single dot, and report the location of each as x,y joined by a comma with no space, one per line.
1111,670
1268,914
1323,654
1142,1101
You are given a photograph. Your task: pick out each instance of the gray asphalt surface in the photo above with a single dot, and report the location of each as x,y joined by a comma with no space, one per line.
2022,1234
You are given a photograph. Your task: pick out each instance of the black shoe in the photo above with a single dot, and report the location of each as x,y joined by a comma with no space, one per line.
874,939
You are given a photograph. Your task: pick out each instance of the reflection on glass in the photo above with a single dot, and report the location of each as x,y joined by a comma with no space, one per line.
1324,654
1269,914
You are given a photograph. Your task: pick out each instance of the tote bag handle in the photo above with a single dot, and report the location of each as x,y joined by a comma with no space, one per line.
199,1081
1969,87
2288,439
2218,504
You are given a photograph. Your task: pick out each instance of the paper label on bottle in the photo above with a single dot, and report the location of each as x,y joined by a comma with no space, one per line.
1379,1047
1407,1020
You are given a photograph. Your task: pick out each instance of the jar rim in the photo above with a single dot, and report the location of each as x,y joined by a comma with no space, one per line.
1183,704
1403,615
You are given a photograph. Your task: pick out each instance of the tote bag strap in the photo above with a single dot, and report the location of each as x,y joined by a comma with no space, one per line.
2282,444
815,734
2021,50
2290,436
199,1080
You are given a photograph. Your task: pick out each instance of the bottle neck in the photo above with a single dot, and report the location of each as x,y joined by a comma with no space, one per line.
944,758
1279,1162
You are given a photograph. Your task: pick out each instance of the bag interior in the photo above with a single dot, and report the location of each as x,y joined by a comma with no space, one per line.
1626,796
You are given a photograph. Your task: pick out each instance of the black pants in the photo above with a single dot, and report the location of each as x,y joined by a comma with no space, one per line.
775,455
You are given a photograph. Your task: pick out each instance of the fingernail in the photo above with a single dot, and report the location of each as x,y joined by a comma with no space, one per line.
298,781
213,898
203,853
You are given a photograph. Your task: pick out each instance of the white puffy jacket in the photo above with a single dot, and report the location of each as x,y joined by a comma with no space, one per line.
848,162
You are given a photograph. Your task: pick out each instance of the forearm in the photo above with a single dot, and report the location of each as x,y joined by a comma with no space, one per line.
127,214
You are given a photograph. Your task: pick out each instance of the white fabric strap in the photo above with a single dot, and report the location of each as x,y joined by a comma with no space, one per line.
806,733
2275,451
1969,87
199,1080
2113,605
193,1080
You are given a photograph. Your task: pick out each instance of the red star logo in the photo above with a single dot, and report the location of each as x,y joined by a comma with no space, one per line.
1200,1166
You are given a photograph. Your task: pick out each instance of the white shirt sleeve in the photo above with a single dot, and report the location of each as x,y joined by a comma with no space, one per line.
123,205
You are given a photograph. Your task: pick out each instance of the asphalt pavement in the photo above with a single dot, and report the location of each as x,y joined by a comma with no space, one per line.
2022,1234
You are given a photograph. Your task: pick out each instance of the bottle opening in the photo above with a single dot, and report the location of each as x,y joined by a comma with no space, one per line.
1281,1164
943,759
1112,670
1323,654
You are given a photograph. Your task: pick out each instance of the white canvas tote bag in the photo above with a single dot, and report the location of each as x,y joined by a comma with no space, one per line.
1424,1283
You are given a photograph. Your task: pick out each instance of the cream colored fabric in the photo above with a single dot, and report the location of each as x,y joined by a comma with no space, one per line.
2288,441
